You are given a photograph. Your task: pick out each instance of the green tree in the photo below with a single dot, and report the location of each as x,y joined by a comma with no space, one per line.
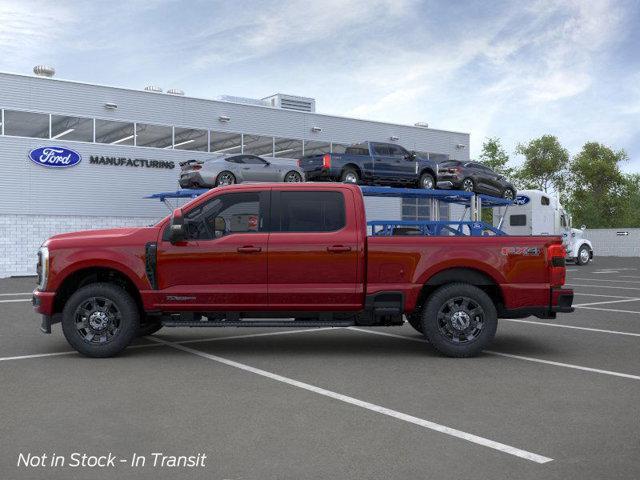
631,211
599,192
495,157
545,164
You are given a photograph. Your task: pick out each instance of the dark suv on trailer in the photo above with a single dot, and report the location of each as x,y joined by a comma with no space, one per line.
474,177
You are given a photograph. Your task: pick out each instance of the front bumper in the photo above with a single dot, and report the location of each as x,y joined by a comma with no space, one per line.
43,304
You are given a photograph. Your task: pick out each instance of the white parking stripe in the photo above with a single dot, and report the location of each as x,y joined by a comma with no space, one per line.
611,310
607,301
520,357
573,327
14,300
485,442
599,295
15,294
605,280
196,340
603,286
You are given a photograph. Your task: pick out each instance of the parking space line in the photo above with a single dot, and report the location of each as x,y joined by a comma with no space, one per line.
14,300
15,294
509,355
196,340
611,310
600,295
603,286
607,301
573,327
606,280
485,442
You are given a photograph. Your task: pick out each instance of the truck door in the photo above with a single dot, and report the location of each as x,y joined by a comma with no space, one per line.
382,162
218,269
313,251
403,167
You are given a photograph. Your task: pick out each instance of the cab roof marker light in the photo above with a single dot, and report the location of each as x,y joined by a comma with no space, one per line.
62,134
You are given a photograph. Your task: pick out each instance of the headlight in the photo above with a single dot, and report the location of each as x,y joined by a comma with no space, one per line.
43,267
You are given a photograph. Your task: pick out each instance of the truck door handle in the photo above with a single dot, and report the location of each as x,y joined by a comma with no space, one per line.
249,249
338,248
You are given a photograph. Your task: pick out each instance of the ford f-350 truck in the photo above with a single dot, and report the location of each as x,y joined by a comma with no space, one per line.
373,163
260,255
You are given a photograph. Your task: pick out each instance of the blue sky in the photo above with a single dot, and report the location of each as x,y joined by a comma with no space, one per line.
515,70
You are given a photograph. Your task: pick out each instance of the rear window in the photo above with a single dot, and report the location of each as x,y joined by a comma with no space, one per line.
518,220
449,163
311,211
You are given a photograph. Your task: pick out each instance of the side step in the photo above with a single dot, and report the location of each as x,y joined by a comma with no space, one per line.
259,323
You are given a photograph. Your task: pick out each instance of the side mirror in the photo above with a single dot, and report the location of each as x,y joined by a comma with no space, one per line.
583,227
176,227
219,227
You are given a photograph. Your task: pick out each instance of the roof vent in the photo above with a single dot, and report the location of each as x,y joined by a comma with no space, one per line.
153,88
422,124
175,91
44,71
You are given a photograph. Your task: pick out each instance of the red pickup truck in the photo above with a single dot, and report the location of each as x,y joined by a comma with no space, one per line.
278,255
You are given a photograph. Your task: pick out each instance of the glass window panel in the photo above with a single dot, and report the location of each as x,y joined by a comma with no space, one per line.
288,148
190,139
157,136
26,124
338,147
115,133
311,211
72,128
224,142
316,148
258,145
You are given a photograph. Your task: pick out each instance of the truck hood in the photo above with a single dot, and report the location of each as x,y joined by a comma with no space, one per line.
106,237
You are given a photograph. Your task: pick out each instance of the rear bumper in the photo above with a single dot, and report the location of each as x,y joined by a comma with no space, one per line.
561,300
319,174
191,179
449,183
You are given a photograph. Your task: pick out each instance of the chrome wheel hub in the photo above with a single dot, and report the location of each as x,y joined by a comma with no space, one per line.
460,320
350,178
98,320
584,255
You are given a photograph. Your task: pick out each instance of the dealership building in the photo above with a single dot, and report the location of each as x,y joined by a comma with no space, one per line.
129,144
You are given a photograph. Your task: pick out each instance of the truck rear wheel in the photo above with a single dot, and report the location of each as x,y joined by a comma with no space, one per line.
349,175
459,320
100,320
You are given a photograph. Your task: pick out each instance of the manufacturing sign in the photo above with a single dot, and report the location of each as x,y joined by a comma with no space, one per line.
131,162
55,157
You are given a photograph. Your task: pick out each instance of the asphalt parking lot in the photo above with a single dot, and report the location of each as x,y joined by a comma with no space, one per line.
552,399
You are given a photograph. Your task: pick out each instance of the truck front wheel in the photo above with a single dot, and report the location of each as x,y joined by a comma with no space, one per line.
459,320
100,320
584,255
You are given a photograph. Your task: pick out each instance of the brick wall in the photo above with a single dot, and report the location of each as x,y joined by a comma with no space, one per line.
22,235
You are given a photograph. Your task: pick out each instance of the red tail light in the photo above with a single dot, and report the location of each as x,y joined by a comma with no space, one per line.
557,270
299,162
326,161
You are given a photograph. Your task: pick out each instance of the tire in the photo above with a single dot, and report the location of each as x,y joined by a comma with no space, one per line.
427,182
584,255
415,320
350,175
292,177
114,329
468,185
225,178
509,194
475,329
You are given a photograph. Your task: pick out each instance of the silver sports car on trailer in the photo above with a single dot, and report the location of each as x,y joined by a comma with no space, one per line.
229,169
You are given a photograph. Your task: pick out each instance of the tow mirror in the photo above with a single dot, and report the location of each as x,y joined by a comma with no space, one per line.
176,227
583,227
219,226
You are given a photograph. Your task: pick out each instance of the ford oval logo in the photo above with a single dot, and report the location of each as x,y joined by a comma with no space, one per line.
521,200
55,157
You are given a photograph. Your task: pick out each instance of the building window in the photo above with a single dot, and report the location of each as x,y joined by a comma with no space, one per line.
26,124
226,143
114,133
190,139
258,145
287,148
316,148
157,136
72,128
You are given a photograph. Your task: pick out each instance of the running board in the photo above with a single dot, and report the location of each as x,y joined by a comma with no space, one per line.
259,323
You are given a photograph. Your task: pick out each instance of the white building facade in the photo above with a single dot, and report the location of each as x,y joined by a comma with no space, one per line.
130,143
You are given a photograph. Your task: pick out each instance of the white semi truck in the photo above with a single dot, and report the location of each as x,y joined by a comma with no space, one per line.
537,213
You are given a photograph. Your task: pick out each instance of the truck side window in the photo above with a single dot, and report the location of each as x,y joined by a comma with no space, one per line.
380,149
240,211
517,220
397,151
544,200
311,211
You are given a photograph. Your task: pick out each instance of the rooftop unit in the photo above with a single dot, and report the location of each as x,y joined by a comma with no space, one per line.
291,102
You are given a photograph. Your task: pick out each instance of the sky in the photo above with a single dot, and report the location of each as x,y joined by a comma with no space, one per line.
514,70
